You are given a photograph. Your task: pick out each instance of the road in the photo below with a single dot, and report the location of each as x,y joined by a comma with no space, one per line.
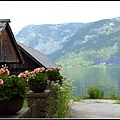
98,108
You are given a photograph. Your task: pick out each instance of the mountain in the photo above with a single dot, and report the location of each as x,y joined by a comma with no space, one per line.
96,43
76,44
47,38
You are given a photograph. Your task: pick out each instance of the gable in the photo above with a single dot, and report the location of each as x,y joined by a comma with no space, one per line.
9,51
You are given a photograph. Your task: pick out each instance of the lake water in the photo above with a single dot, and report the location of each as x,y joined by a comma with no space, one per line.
106,78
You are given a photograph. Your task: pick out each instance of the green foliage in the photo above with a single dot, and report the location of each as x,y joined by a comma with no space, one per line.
12,88
64,94
112,95
95,93
52,73
38,80
37,77
93,41
86,58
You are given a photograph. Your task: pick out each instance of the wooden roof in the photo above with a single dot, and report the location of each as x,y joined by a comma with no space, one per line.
37,56
6,29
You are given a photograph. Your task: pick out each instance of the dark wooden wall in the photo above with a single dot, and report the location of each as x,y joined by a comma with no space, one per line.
9,55
7,51
29,64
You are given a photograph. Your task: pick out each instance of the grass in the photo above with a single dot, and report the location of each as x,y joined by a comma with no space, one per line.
118,102
77,99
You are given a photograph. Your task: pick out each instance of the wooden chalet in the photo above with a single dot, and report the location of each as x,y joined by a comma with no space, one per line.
17,56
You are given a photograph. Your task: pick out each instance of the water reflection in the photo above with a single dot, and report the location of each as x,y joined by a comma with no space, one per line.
106,78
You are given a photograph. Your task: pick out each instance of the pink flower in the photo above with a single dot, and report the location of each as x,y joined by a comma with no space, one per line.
32,73
59,68
36,70
26,72
64,76
7,72
49,69
42,69
21,75
1,81
2,70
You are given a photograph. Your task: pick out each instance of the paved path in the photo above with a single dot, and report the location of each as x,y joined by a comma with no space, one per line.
95,109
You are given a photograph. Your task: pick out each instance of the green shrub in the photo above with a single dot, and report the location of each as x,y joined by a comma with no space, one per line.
64,95
112,95
94,92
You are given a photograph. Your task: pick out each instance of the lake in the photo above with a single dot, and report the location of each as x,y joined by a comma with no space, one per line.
106,78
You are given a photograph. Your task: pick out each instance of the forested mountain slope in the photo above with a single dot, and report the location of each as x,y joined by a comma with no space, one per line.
76,44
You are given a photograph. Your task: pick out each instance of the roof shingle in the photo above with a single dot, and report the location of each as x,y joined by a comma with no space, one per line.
40,57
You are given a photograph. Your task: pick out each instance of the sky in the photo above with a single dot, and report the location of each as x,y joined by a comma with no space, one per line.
23,13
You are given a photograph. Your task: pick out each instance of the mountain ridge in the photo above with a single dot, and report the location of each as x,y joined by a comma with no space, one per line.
75,44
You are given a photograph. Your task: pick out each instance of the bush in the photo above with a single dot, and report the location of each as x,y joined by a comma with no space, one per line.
64,95
112,95
94,92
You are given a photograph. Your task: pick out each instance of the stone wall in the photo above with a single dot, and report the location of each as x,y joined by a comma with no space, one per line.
40,105
43,103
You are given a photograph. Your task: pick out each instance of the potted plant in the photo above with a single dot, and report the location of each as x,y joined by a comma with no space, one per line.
12,92
37,79
54,74
25,76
